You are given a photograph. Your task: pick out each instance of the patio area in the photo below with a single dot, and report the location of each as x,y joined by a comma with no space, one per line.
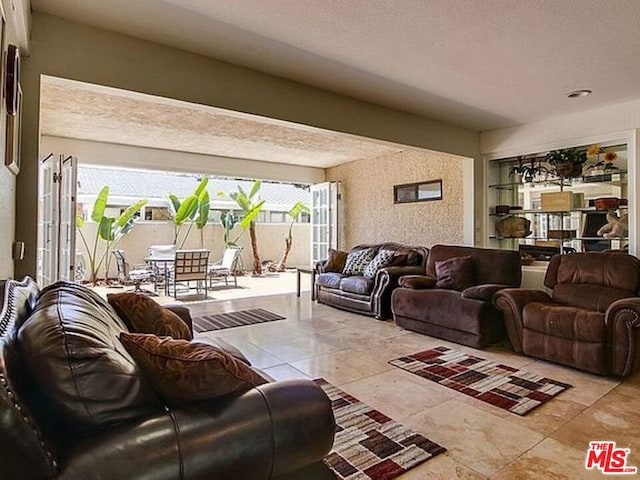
249,286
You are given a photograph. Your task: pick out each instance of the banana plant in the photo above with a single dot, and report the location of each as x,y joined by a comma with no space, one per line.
229,220
251,209
293,214
109,230
204,206
186,210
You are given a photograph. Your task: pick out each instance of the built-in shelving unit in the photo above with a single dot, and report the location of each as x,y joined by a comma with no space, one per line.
553,230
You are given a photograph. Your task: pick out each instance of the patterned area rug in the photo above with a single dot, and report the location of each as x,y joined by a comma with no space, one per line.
206,323
500,385
368,444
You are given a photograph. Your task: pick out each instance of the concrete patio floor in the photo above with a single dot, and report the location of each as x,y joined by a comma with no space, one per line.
248,287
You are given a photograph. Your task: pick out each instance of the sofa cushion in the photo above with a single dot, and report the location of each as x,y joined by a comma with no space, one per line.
83,373
143,315
417,282
382,259
329,280
564,322
455,273
356,284
357,261
185,372
483,292
336,261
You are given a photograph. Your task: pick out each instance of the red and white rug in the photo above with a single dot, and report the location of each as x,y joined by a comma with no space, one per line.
500,385
368,444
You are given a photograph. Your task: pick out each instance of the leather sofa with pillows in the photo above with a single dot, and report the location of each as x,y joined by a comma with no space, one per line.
453,300
362,279
88,393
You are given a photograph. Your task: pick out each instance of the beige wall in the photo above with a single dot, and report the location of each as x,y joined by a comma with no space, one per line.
370,216
7,179
144,234
79,52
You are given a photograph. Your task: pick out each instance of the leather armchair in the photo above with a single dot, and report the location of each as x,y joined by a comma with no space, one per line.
589,321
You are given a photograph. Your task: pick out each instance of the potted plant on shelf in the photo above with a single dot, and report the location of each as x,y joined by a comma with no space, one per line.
567,162
526,169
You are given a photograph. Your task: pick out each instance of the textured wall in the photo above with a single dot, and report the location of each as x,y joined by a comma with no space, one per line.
370,215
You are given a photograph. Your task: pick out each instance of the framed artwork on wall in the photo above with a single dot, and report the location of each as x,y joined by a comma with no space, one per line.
418,192
13,136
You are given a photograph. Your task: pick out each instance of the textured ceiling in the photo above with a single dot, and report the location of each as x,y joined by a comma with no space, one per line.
89,112
482,64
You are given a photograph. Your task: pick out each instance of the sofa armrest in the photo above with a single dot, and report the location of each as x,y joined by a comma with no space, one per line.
267,432
484,292
512,301
184,313
319,265
622,320
417,282
386,281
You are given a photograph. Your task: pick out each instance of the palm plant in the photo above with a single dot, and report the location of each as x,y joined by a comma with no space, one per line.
109,230
293,214
186,211
251,209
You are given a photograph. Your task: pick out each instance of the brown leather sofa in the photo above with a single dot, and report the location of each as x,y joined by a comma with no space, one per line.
591,320
464,316
96,425
369,296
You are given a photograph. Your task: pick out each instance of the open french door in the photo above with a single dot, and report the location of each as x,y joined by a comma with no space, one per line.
325,221
58,183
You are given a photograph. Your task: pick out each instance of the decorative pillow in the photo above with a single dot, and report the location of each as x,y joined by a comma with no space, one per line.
357,261
381,260
398,260
183,372
143,315
455,273
336,261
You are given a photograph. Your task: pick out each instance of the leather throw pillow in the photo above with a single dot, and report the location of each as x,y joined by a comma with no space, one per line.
455,273
381,260
183,372
357,261
143,315
336,261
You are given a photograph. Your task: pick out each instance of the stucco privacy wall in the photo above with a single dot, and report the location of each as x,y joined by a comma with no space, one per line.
371,216
70,50
270,242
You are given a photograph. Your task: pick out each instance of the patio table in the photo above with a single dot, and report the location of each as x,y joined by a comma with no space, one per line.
163,261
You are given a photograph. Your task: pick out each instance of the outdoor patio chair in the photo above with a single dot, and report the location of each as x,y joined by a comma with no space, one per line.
135,277
226,267
190,266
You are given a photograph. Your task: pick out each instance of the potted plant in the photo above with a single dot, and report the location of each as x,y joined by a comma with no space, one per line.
567,162
526,169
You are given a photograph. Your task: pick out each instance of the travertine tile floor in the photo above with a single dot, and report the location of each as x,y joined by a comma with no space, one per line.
351,351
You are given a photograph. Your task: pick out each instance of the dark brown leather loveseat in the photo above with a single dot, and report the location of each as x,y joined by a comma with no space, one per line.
465,315
370,296
591,321
92,423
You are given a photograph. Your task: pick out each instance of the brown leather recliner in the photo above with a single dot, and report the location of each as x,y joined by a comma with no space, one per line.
74,405
465,316
591,320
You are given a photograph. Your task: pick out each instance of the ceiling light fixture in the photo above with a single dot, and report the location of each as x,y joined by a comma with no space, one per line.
579,93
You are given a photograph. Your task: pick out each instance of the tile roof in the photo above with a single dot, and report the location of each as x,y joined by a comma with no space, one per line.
151,184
